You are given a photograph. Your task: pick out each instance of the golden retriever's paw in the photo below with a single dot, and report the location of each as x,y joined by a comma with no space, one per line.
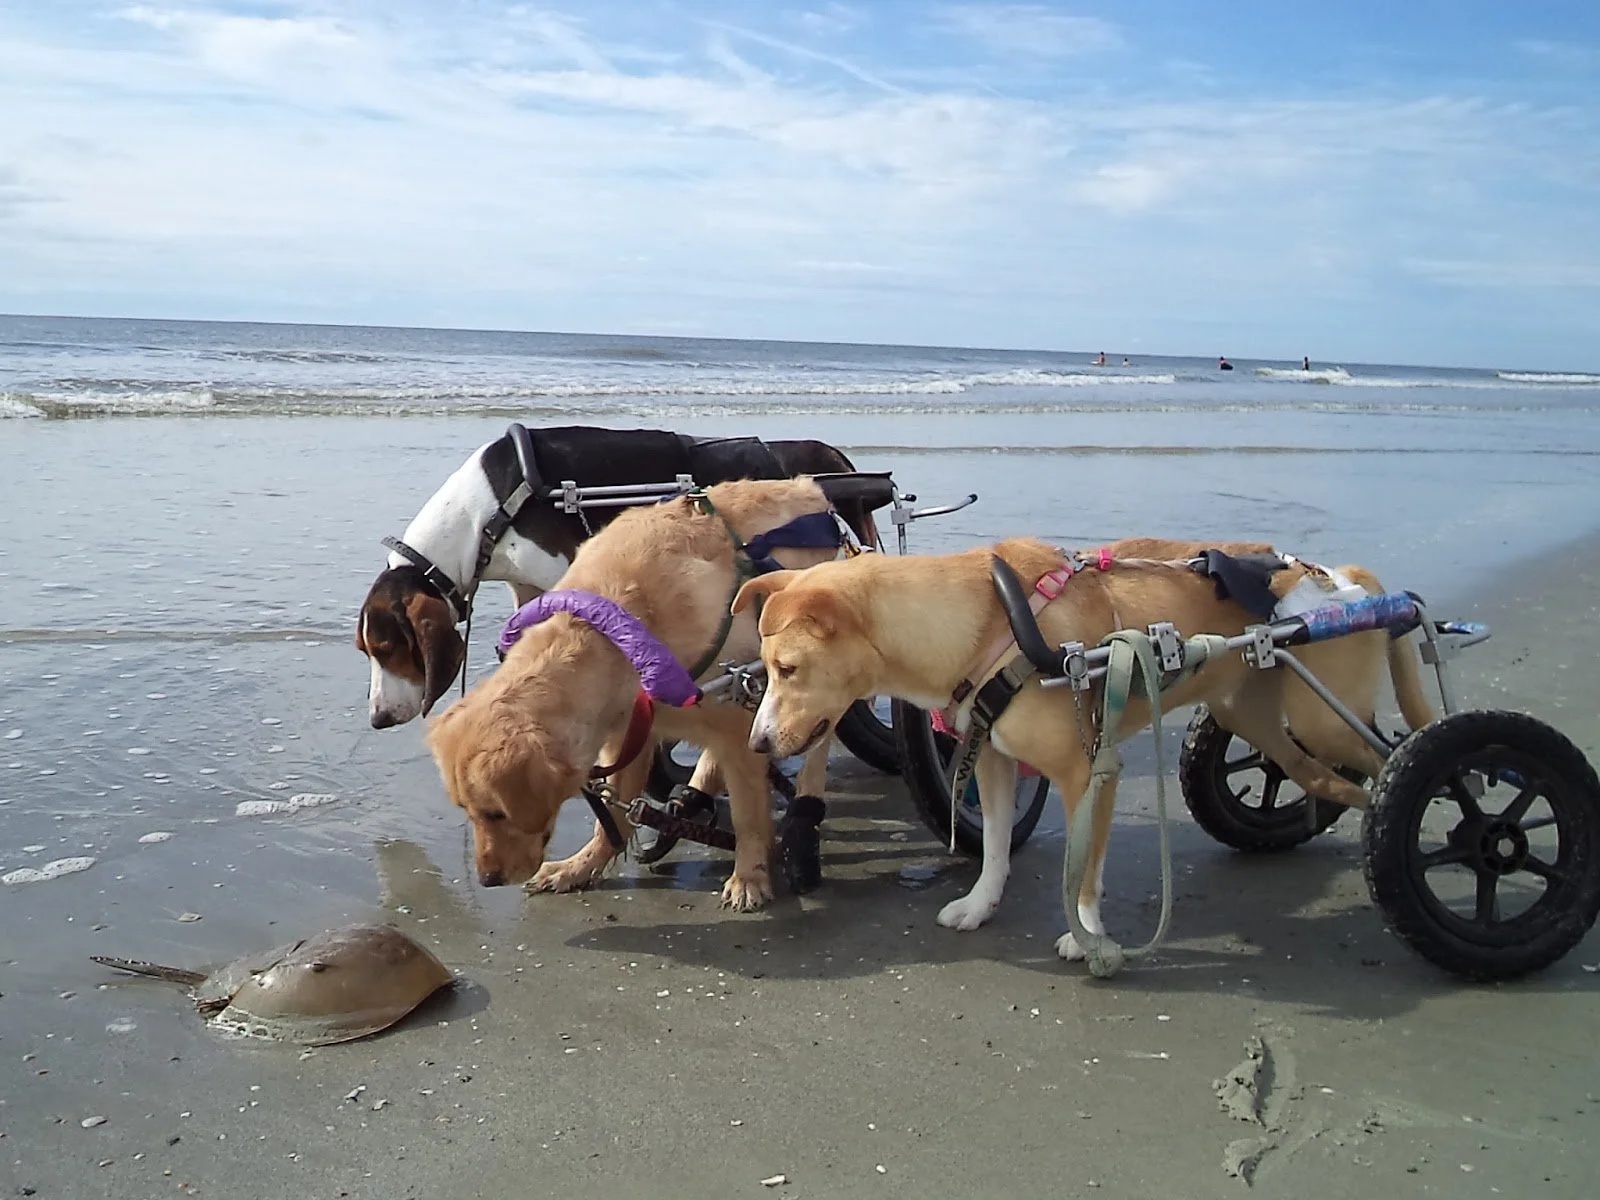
967,913
747,892
568,875
1067,947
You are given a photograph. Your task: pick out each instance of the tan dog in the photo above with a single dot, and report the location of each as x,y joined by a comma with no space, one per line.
520,743
915,627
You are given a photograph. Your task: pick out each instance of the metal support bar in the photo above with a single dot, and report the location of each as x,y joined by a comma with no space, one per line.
1369,735
1436,651
901,514
571,497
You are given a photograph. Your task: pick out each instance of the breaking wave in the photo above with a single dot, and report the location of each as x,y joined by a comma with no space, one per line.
1549,377
1320,375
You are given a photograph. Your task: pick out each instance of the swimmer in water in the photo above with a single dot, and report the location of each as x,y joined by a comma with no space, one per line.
1305,363
1223,364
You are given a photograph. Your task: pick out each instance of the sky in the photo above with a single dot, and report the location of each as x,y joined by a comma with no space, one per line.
1360,181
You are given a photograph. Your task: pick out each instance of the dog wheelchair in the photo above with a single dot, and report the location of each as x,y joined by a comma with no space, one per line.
674,810
1481,838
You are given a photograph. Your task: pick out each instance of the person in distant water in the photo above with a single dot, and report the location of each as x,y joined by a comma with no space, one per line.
1305,363
1223,364
1126,363
1101,361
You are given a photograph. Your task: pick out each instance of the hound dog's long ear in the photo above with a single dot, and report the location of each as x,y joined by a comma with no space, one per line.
761,585
438,643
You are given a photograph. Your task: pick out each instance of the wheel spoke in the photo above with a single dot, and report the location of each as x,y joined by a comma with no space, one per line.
1538,823
1545,871
1249,762
1269,789
1487,908
1445,856
1518,808
1465,800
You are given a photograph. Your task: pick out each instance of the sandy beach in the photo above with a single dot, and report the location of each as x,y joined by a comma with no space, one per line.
636,1039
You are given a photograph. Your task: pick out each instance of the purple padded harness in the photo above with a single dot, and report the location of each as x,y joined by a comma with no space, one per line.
662,675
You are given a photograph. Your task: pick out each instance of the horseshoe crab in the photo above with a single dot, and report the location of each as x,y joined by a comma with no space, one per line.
340,985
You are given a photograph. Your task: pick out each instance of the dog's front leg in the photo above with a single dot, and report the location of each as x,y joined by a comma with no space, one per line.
582,869
588,864
749,798
800,831
997,796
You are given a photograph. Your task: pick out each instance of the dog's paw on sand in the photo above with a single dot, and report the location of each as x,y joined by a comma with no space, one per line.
568,875
747,892
967,913
1067,947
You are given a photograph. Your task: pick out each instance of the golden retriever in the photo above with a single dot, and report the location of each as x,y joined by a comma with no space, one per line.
521,742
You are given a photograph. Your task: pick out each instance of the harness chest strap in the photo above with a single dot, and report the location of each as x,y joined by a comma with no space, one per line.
1049,585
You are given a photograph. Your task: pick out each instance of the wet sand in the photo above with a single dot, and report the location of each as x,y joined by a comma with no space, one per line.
636,1040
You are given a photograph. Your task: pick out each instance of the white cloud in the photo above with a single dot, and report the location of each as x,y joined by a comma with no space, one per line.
248,46
1028,30
341,161
831,20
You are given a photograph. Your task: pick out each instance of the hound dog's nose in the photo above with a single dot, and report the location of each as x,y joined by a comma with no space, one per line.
491,878
761,743
383,720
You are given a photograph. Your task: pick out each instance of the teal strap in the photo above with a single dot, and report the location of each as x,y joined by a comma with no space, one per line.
743,570
1133,665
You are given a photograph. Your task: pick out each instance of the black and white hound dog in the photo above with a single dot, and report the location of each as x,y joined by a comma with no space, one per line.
492,520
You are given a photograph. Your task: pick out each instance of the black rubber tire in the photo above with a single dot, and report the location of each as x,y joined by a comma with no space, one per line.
1216,807
926,755
1499,744
869,739
665,774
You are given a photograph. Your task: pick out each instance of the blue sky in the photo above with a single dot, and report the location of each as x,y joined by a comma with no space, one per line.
1413,182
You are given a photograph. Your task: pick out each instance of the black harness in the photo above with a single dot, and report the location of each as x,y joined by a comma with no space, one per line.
460,597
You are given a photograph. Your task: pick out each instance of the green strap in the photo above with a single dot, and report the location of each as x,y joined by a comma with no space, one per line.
743,570
1133,664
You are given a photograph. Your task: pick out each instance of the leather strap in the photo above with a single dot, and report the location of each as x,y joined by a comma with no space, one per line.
602,813
639,725
459,603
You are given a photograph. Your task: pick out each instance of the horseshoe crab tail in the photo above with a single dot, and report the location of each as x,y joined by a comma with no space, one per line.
170,974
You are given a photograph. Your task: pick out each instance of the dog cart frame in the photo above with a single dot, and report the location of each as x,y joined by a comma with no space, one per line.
1455,836
862,730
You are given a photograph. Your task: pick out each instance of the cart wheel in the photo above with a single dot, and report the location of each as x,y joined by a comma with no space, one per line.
672,768
1483,844
1236,795
867,731
927,755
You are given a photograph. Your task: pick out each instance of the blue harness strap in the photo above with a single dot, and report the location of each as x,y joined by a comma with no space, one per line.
813,531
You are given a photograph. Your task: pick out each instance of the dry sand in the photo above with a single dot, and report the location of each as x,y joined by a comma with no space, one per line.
636,1041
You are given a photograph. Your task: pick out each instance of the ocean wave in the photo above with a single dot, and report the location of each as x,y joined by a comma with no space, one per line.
80,396
1548,377
297,356
61,405
1320,375
17,407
